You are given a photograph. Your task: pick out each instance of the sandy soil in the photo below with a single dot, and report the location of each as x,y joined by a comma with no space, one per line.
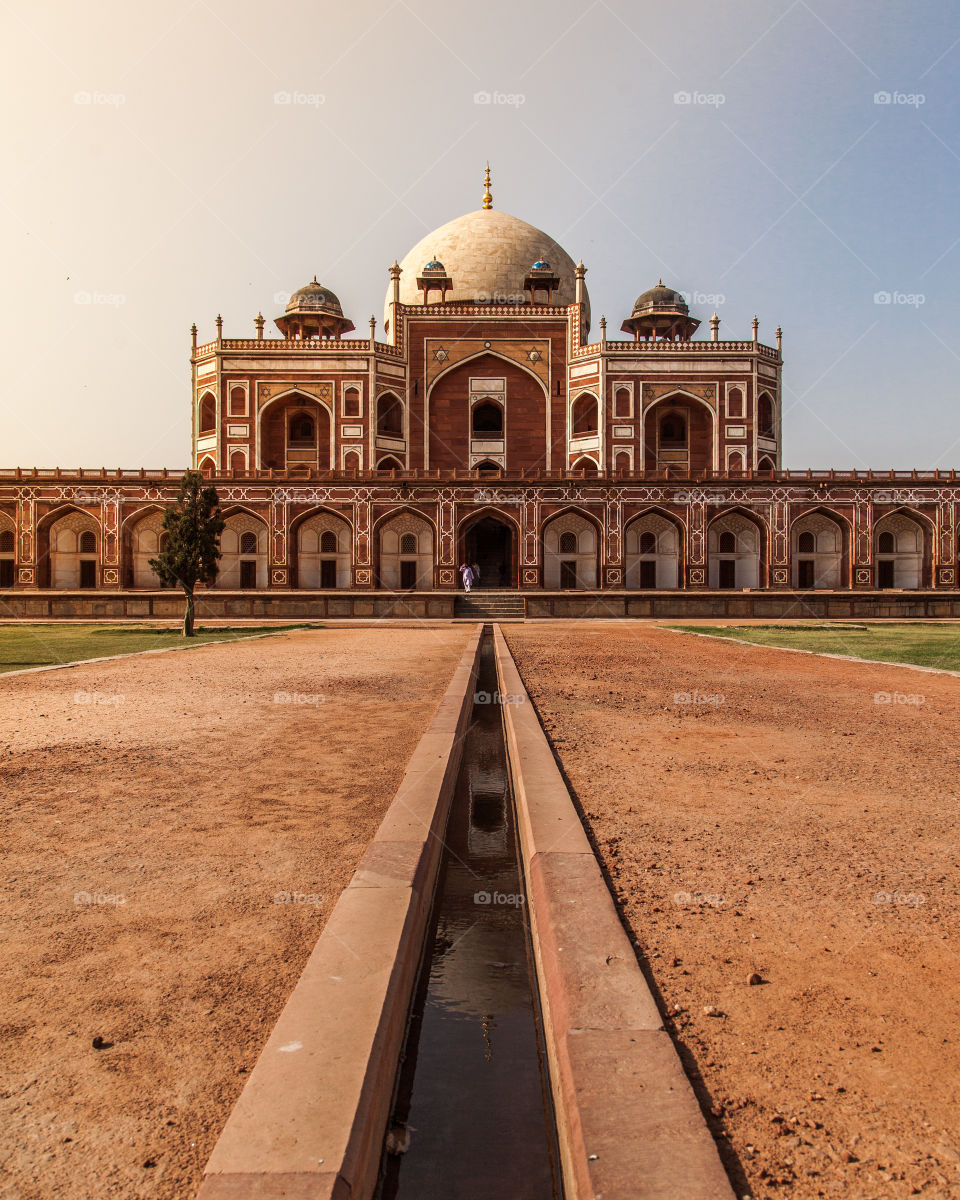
174,837
759,812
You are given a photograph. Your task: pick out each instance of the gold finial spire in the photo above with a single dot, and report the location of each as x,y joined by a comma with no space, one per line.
487,194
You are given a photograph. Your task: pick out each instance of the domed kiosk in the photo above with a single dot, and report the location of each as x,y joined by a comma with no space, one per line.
661,312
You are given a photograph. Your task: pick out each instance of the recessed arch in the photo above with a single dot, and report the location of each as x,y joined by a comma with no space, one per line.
820,541
207,414
65,558
488,538
584,415
395,569
586,463
276,449
321,543
745,566
909,564
390,463
656,563
696,450
564,568
243,564
390,415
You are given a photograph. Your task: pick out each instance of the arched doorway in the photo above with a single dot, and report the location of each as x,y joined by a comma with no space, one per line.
490,544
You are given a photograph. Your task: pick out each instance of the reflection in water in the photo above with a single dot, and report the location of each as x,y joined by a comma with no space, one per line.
473,1084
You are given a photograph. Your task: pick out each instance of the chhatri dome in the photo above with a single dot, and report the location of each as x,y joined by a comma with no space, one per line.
487,255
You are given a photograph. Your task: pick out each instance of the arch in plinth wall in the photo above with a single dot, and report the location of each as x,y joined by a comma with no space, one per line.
140,536
903,543
243,552
67,558
8,551
820,543
737,543
489,538
679,434
571,550
295,431
404,543
653,543
323,543
449,442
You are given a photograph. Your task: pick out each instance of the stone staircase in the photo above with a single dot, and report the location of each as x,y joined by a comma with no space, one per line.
489,606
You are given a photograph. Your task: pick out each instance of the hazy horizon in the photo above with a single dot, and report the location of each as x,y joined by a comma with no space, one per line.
794,160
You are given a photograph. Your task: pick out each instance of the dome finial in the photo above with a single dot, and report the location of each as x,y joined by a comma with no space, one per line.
487,194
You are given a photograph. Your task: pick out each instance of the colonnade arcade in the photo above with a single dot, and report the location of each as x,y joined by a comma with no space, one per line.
576,537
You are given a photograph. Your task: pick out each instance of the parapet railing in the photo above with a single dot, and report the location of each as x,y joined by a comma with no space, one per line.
530,475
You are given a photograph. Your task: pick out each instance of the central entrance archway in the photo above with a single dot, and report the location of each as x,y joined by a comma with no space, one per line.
490,543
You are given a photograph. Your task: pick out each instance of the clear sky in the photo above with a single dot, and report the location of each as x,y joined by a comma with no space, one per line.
163,163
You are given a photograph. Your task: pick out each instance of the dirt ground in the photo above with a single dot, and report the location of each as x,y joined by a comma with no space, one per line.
792,818
175,830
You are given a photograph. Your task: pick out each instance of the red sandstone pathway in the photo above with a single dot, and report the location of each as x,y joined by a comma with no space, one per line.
773,818
173,843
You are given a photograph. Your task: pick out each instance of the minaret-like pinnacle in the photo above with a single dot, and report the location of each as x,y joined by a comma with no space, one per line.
487,194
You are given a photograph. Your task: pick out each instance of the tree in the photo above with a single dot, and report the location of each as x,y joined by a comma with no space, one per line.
191,552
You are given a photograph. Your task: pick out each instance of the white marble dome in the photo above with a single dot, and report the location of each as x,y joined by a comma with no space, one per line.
487,254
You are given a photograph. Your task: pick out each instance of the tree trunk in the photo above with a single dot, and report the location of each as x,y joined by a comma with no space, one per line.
188,615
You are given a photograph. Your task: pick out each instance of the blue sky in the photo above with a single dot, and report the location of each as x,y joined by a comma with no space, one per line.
798,160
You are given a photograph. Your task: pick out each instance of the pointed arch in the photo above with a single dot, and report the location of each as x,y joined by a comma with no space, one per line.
826,563
660,565
563,569
745,566
696,450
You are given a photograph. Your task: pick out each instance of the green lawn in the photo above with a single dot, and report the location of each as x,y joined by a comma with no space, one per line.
43,645
933,645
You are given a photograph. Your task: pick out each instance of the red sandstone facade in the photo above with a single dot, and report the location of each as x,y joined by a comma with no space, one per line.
488,427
